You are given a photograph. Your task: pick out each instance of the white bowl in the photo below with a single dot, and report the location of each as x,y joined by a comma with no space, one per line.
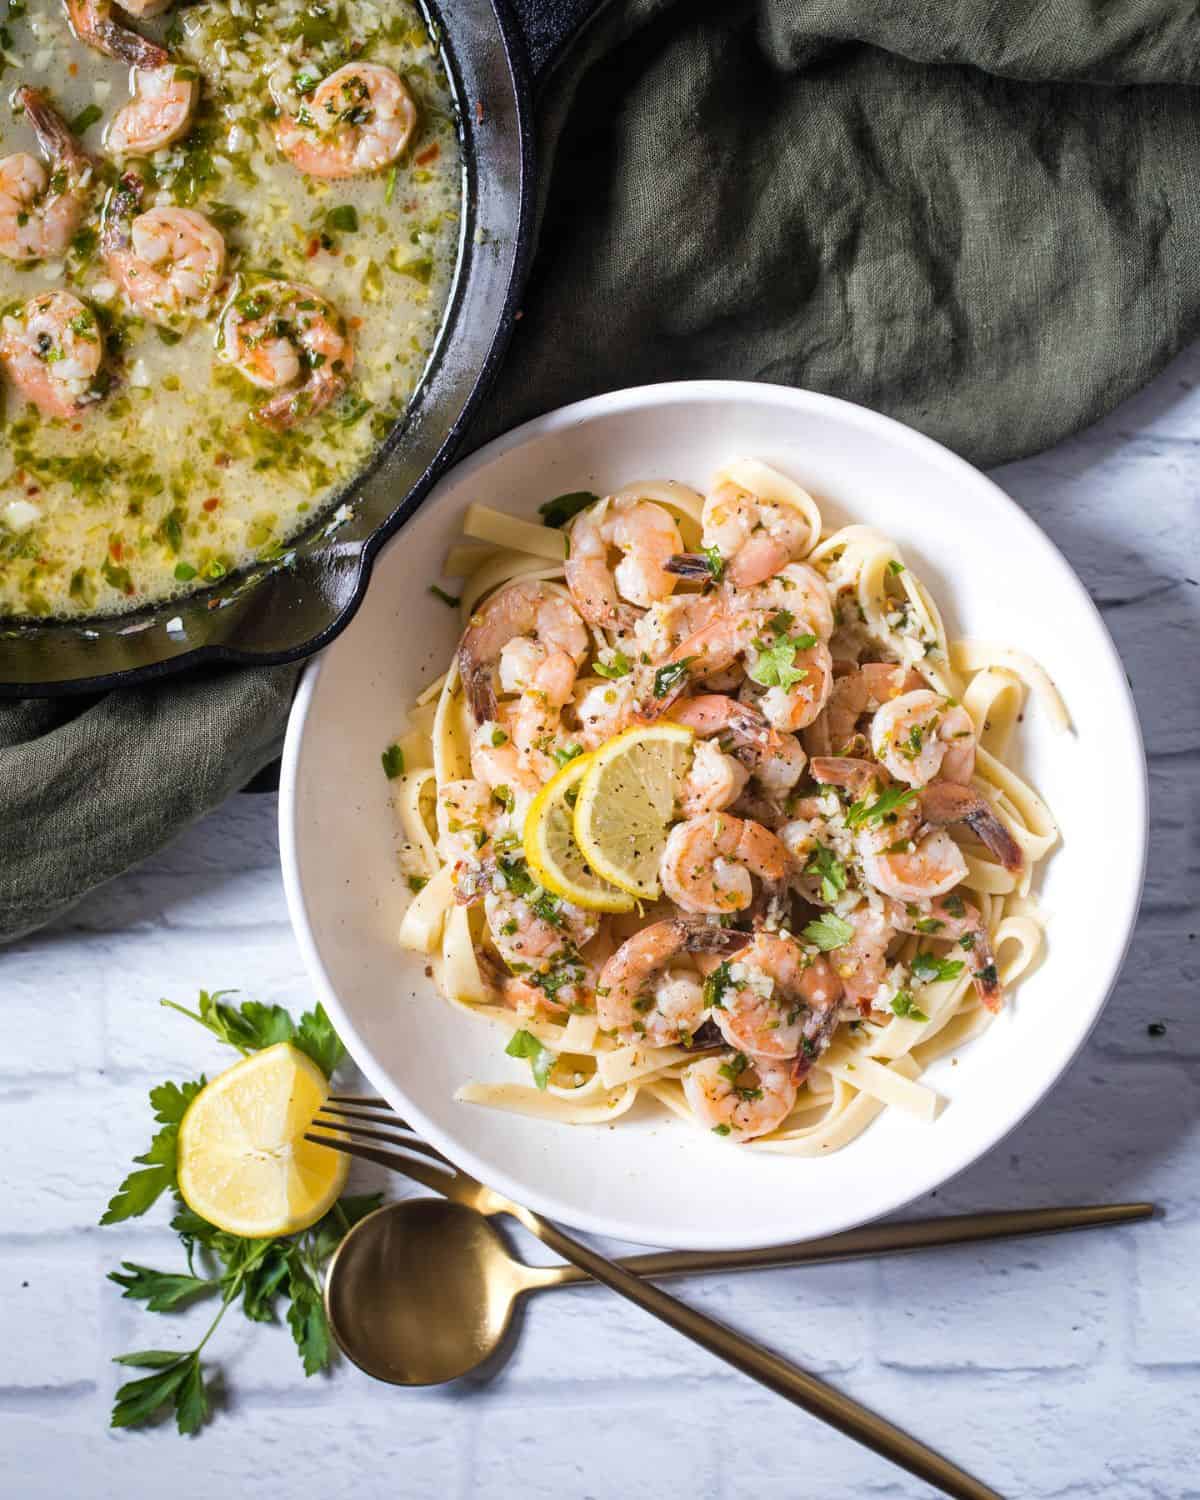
646,1177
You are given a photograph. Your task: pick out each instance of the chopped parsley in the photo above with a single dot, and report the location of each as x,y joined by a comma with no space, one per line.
715,986
829,870
775,664
393,762
669,677
343,219
541,1059
567,754
884,806
895,566
444,596
903,1004
562,508
928,968
619,666
721,1130
828,932
953,904
716,563
85,119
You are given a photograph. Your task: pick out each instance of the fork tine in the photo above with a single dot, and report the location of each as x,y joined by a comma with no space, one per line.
385,1116
420,1171
373,1102
349,1125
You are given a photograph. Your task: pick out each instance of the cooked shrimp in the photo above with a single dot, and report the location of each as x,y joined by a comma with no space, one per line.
646,536
755,537
357,120
738,1098
53,352
776,760
861,964
714,781
855,692
168,261
777,1002
797,589
530,940
285,337
921,735
160,112
526,611
639,997
164,95
39,210
804,682
951,919
467,810
604,708
710,862
916,869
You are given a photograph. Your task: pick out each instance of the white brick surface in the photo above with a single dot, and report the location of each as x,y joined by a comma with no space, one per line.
1064,1369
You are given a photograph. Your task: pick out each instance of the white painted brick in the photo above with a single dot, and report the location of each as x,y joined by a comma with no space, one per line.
1166,1328
1157,987
1035,1304
59,1165
551,1451
51,1009
50,1313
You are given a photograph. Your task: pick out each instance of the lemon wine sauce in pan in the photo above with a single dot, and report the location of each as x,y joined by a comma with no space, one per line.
228,233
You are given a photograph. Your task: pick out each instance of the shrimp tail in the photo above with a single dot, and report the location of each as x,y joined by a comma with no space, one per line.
690,565
478,685
93,23
120,208
52,131
703,937
845,771
289,407
945,802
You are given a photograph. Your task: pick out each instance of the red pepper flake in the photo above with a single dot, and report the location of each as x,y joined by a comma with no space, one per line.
314,247
479,111
33,489
431,153
114,548
222,460
73,69
356,323
212,502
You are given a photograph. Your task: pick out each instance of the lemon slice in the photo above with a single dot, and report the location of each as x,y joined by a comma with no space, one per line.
243,1162
628,798
552,853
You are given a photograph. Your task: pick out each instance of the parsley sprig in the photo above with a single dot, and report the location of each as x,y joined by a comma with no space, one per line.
889,801
829,870
256,1272
828,932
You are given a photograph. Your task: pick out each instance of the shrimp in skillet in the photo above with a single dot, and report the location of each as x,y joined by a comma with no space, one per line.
53,352
357,120
643,997
164,94
286,338
710,864
168,261
738,1097
40,210
646,536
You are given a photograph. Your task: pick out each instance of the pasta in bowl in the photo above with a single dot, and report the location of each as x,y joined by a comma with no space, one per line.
832,884
971,562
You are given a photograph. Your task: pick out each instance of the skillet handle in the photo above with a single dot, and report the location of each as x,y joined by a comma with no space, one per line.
547,26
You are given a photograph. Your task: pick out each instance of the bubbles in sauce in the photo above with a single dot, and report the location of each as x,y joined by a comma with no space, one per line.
178,469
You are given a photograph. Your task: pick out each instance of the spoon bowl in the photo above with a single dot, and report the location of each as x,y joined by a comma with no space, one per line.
421,1292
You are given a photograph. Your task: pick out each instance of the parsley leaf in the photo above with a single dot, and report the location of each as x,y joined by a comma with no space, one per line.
774,666
141,1190
562,508
619,666
895,566
829,870
306,1318
903,1004
541,1059
252,1026
715,986
566,754
716,563
888,801
927,968
316,1037
828,932
160,1290
393,762
448,599
669,677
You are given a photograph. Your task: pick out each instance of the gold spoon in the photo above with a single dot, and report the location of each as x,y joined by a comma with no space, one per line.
424,1291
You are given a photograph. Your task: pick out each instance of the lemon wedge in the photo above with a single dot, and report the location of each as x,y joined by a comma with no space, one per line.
628,797
243,1162
552,853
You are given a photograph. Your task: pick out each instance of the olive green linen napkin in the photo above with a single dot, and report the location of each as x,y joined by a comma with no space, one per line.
981,218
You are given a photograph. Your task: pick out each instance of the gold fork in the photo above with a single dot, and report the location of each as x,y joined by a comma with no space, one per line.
424,1164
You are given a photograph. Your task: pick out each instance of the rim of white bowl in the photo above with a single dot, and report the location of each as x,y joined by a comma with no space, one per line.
1127,734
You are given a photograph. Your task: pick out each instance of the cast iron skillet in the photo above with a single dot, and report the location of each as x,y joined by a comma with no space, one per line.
280,612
